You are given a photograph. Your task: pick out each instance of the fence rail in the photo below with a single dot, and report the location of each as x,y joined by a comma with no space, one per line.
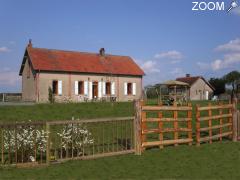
214,122
162,129
10,97
23,143
34,143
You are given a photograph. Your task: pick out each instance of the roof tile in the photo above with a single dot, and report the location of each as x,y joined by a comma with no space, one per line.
70,61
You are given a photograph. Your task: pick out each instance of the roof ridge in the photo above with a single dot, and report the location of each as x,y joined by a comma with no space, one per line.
190,77
72,51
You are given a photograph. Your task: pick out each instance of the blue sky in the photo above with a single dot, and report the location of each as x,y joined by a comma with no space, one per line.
166,38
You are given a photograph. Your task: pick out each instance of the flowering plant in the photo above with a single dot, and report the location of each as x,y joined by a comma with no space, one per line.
25,137
75,135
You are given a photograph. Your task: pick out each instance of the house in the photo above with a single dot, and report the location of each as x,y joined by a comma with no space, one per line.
200,88
78,76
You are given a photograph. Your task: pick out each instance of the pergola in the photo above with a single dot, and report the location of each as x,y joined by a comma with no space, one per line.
177,90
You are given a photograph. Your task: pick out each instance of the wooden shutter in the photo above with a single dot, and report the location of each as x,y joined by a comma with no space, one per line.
99,89
134,88
86,88
104,88
113,88
90,90
76,87
125,88
59,87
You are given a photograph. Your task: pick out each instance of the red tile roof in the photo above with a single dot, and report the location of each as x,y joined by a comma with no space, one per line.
189,80
70,61
192,79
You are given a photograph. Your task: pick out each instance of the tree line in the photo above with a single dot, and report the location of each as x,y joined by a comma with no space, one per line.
231,79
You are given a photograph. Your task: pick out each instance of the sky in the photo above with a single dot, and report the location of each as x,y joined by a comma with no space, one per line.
166,38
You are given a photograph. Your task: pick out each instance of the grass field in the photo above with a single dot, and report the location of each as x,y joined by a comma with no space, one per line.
48,112
215,161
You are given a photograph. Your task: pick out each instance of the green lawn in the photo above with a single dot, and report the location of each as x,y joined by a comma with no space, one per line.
216,161
48,112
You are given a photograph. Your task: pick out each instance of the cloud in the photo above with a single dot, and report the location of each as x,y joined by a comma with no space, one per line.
4,49
150,67
175,61
229,61
176,55
233,45
8,77
177,72
203,65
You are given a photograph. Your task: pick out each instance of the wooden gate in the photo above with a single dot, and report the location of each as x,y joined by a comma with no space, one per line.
163,125
215,122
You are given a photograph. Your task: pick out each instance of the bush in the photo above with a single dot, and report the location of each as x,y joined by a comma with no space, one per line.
51,97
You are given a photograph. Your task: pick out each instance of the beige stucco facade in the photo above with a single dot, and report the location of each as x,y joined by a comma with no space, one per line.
28,83
200,90
36,87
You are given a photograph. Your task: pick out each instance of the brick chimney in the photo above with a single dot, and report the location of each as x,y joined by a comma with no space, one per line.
188,75
30,43
102,52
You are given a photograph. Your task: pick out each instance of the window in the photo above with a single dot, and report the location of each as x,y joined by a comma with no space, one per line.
108,88
129,88
55,87
80,87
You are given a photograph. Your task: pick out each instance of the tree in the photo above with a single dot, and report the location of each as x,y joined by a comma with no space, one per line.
51,97
231,79
218,84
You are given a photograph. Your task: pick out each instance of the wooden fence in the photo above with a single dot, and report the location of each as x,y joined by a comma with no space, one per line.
163,125
34,143
10,97
86,139
212,125
22,143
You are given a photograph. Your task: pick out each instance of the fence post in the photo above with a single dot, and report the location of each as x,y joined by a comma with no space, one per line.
235,120
238,125
48,143
160,127
2,142
189,123
197,125
137,127
175,123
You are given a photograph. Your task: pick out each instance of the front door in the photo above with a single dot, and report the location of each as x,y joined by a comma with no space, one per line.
95,90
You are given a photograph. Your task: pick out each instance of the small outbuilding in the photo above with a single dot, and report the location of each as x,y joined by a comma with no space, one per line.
200,88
